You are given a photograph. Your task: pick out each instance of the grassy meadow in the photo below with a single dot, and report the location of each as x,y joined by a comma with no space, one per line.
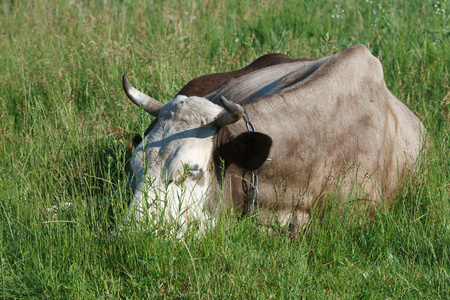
65,122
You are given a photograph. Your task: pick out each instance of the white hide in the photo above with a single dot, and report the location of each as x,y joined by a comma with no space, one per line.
183,136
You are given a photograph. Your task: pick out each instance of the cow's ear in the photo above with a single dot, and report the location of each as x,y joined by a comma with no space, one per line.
137,140
248,150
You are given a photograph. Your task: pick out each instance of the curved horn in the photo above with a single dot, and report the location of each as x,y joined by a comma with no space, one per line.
150,105
233,112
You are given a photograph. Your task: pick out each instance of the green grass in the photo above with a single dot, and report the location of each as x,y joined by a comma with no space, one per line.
62,108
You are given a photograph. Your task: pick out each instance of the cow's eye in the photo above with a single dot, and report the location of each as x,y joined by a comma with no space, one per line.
195,172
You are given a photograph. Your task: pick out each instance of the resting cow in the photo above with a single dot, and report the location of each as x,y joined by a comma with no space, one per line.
320,124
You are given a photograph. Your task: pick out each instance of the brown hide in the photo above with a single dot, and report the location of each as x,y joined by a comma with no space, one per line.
204,85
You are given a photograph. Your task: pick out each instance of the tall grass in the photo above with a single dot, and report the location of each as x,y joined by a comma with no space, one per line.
63,114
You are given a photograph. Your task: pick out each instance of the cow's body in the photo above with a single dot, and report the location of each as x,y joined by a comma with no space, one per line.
327,122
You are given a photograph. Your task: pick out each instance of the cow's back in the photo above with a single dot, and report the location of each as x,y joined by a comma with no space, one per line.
206,84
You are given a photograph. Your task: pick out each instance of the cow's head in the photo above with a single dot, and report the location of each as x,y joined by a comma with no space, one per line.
172,164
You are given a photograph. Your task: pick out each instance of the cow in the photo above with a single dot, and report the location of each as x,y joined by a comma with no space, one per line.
303,127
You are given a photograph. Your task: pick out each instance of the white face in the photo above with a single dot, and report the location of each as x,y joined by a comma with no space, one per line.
172,162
